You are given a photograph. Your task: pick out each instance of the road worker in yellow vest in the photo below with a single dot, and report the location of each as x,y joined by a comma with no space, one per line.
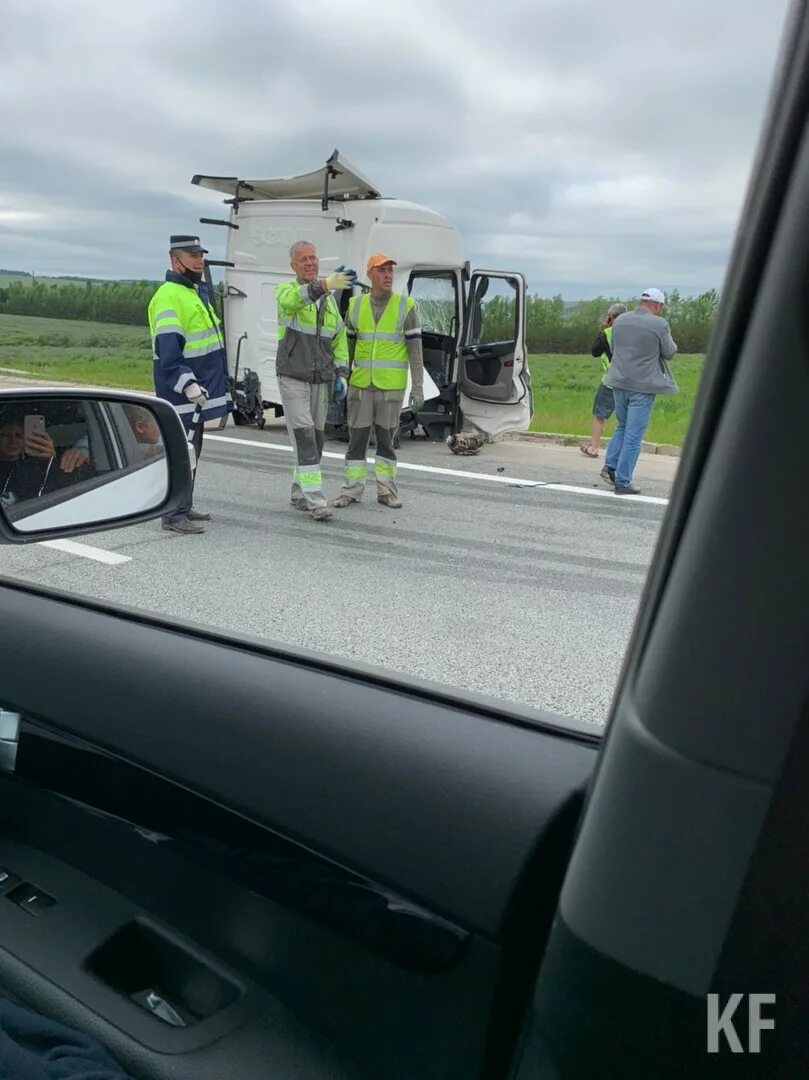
384,340
604,403
311,362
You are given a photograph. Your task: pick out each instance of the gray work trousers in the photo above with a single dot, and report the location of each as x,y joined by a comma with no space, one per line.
306,406
380,409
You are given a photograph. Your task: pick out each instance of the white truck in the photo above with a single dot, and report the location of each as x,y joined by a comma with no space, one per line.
476,370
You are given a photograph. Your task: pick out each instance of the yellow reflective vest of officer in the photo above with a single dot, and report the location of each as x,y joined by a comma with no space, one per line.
380,352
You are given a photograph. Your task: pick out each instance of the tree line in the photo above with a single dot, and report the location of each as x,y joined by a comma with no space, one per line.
552,325
555,327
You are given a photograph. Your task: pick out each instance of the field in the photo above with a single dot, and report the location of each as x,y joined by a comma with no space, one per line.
564,388
9,278
104,354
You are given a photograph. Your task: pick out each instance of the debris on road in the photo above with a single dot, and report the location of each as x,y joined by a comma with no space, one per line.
466,444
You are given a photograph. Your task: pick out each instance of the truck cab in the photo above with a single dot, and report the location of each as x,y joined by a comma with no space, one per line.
473,324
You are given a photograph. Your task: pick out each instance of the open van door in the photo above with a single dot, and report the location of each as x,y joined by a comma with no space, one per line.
494,383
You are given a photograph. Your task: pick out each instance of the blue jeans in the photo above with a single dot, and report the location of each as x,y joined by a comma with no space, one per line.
633,412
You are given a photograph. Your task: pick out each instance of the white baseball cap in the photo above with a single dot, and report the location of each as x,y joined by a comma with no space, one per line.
655,295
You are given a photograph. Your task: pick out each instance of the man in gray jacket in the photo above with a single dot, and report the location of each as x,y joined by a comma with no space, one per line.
641,345
312,358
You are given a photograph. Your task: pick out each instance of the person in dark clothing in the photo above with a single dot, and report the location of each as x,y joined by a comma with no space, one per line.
190,365
25,464
35,1048
28,464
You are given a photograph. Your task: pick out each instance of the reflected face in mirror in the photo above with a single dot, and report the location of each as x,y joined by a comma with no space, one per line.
16,442
71,462
12,441
26,455
146,431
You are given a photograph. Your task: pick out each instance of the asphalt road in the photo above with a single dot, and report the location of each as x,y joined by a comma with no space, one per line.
487,582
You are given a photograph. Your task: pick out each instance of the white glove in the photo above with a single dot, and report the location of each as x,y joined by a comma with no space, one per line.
336,281
196,394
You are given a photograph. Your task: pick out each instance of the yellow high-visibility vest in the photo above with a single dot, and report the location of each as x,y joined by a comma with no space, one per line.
380,353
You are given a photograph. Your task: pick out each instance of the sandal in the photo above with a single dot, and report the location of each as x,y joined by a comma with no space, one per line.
586,451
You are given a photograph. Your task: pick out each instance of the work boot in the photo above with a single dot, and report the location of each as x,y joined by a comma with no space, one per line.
197,515
626,489
183,525
321,513
388,499
608,475
343,500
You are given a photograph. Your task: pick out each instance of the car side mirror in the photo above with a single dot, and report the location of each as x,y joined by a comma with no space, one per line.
77,461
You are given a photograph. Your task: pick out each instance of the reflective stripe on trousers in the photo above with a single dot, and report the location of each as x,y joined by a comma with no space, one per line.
306,406
378,409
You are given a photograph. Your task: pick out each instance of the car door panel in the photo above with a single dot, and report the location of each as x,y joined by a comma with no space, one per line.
700,798
322,743
146,808
272,1043
374,868
493,350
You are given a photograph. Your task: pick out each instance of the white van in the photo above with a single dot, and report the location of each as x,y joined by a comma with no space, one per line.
476,371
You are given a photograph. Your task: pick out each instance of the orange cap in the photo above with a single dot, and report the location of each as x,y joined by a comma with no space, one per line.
379,259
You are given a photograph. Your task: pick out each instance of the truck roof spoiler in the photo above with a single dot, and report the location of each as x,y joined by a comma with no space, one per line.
337,179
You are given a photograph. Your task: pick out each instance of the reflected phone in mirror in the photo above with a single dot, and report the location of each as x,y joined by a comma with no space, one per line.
34,424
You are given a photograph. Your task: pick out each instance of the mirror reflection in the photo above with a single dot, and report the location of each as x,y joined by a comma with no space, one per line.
73,462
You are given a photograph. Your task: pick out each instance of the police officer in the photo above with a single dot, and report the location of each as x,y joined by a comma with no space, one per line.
190,369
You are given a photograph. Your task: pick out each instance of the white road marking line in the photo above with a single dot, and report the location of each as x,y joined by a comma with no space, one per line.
512,480
112,558
655,500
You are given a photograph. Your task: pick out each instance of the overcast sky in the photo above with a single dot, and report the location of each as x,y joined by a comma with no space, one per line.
597,147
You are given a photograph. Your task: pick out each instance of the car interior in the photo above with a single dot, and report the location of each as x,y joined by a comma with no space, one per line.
224,858
325,944
439,304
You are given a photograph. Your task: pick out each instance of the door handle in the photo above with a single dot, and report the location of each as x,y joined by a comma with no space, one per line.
9,739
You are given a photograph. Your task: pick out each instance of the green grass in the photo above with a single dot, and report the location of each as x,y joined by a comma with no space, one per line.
107,355
102,354
7,278
564,388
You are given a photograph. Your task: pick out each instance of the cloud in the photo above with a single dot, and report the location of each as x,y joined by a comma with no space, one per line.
596,150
